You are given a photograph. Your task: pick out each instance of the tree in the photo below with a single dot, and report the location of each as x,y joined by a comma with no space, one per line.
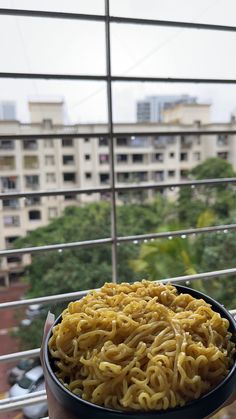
192,201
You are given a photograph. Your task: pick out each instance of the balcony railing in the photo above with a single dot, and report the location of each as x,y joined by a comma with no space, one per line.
112,189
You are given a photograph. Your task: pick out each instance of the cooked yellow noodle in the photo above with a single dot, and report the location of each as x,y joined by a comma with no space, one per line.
141,346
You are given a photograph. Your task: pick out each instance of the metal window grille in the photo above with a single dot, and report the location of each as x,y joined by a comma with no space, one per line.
113,240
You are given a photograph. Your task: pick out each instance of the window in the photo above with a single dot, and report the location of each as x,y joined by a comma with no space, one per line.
159,157
103,141
50,177
183,156
223,155
222,140
86,140
104,177
123,176
88,175
14,259
171,155
31,162
197,156
121,158
103,158
32,200
9,183
67,142
87,157
32,181
139,176
7,144
171,173
52,212
122,141
68,160
49,160
158,176
11,220
198,140
69,197
69,177
137,158
30,144
10,240
11,203
34,215
184,174
48,143
7,162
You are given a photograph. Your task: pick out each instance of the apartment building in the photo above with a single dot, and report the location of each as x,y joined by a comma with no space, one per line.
62,163
151,108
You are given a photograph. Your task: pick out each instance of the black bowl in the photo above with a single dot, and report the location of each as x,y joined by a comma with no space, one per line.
196,409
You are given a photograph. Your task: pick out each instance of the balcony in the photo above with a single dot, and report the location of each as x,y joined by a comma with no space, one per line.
7,145
7,163
8,204
31,162
31,145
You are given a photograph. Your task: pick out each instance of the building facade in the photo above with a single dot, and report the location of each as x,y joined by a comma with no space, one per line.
62,163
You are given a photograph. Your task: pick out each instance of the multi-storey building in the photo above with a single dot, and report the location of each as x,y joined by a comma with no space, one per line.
62,163
151,109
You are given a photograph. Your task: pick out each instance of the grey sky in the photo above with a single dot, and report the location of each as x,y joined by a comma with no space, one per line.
49,45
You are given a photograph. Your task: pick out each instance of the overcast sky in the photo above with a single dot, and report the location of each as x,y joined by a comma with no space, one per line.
57,46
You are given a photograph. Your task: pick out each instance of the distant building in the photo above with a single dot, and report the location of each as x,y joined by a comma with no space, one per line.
151,108
7,111
67,163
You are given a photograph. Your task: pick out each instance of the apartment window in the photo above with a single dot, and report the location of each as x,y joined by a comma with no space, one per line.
197,156
48,143
171,155
7,144
222,140
10,240
11,203
104,177
88,175
137,158
30,144
32,181
122,141
34,215
32,200
68,160
67,142
171,173
9,183
7,162
223,155
50,177
139,176
87,157
14,259
198,140
86,140
183,156
184,174
103,158
49,160
158,176
31,162
11,220
69,197
123,176
69,177
52,212
159,157
121,158
103,141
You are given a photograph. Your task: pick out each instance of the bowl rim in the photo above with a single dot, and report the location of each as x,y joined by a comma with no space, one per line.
183,289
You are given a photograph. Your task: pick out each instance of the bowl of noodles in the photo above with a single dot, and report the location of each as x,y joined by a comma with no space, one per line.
142,350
